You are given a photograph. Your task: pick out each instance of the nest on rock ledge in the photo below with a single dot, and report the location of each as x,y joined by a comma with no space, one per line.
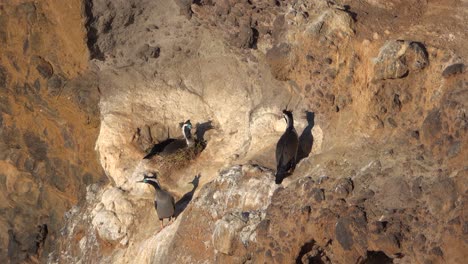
177,160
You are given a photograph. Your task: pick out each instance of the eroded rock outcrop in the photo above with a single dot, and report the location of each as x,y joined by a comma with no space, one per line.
48,124
397,58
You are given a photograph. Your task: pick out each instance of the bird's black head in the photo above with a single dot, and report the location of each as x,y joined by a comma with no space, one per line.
150,177
287,112
196,180
288,117
187,129
185,124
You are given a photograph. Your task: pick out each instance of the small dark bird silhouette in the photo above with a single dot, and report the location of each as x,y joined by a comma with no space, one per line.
286,149
306,139
185,200
163,201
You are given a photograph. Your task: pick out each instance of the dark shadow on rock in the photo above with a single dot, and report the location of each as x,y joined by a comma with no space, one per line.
185,200
377,257
255,35
312,253
306,140
347,9
92,33
201,129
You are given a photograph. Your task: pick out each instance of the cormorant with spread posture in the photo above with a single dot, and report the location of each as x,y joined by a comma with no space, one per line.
172,145
286,149
163,200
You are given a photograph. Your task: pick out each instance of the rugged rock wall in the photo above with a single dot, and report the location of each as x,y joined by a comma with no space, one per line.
48,124
378,90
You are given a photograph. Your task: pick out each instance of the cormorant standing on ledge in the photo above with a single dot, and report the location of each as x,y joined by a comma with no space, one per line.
163,200
286,149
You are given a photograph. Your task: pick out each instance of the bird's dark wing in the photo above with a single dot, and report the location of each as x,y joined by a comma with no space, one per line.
173,202
286,148
174,146
155,205
157,148
166,204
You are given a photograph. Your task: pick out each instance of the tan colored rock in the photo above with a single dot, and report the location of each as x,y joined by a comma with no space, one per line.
396,58
332,24
224,234
108,225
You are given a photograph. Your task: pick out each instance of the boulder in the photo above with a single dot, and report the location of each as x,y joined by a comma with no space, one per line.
109,226
397,57
453,69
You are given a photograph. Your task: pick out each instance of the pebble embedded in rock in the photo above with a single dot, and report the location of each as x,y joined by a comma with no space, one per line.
44,68
55,84
453,69
3,77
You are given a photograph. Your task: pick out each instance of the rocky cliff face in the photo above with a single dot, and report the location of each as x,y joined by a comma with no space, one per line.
378,90
49,121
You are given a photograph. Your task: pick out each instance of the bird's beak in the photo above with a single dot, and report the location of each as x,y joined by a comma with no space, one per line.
141,181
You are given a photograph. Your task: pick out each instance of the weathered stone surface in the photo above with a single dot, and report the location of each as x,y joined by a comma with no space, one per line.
388,65
3,78
36,147
432,125
397,57
147,52
453,69
280,60
42,177
44,67
246,37
343,233
344,188
334,24
109,226
55,85
225,232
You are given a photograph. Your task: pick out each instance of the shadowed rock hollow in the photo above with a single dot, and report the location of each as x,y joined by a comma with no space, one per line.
377,89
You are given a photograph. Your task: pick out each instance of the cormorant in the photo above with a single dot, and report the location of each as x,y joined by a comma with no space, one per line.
286,149
172,145
163,200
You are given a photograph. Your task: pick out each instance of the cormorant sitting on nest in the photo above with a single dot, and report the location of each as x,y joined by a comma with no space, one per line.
172,145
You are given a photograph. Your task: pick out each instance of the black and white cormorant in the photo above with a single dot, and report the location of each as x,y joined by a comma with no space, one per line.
172,145
286,149
163,200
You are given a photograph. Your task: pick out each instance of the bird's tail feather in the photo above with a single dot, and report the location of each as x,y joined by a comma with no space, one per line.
282,171
280,175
